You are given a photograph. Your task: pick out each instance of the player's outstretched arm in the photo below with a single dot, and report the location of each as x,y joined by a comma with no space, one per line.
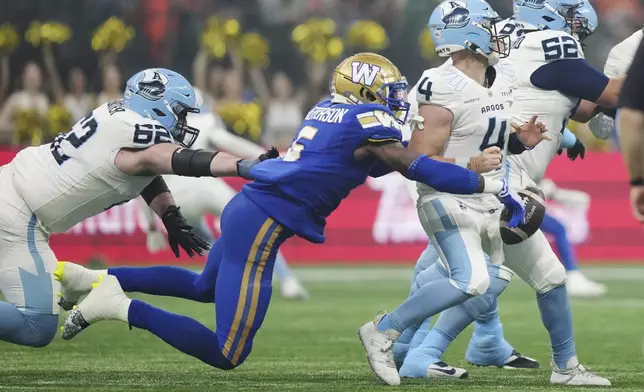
167,158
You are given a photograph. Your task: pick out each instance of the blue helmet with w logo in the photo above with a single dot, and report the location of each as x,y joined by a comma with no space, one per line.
165,96
467,25
576,17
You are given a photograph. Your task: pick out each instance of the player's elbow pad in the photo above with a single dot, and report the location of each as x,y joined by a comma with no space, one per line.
443,176
192,163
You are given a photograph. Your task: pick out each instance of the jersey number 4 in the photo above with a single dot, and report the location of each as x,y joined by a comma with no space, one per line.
79,134
293,153
495,135
556,48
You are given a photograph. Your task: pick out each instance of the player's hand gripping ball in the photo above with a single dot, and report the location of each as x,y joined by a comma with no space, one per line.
535,209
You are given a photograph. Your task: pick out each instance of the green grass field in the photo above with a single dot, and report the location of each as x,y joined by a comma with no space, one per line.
313,346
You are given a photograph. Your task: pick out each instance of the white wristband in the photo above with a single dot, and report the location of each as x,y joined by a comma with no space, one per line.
492,186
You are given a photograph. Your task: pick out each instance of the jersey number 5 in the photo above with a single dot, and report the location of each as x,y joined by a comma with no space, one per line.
79,134
556,48
293,153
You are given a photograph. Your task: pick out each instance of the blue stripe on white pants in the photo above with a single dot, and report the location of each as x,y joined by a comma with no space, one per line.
452,245
37,287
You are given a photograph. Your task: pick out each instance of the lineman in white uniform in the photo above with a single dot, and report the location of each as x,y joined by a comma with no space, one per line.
198,197
529,57
109,157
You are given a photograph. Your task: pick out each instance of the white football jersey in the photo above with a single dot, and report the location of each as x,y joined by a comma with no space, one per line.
75,177
553,108
621,56
481,115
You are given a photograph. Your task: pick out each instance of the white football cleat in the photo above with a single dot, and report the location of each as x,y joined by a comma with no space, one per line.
75,281
578,285
576,374
106,301
444,371
378,346
290,288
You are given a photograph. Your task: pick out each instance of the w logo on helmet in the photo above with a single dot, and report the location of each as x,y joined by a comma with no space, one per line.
534,4
152,85
364,73
455,14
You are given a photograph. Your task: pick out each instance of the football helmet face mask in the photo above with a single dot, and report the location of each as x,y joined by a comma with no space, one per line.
371,78
167,97
468,25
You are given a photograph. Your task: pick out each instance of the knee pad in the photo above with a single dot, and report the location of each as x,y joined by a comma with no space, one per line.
554,276
41,329
477,284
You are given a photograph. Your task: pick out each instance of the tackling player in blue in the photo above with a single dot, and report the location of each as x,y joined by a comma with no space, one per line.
342,141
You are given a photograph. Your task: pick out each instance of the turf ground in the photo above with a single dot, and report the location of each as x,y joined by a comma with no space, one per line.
312,346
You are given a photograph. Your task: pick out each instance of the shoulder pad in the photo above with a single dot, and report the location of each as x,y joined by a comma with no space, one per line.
547,45
379,117
442,86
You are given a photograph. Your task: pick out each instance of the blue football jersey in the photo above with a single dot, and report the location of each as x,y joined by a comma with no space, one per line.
301,189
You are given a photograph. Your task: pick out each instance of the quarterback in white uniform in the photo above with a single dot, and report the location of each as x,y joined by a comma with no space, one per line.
451,230
198,197
111,156
529,56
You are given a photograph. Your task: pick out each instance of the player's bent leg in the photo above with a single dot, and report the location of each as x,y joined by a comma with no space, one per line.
245,277
534,261
30,315
424,361
245,283
458,240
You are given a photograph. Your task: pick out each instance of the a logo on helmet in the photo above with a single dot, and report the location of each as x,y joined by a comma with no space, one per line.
152,85
534,4
455,14
364,73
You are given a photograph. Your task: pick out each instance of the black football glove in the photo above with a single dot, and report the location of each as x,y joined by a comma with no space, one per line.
244,165
180,233
578,150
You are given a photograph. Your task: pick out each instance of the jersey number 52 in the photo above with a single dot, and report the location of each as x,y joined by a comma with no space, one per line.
556,48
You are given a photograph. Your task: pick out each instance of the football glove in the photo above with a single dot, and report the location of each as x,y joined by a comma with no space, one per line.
578,150
513,203
245,165
180,233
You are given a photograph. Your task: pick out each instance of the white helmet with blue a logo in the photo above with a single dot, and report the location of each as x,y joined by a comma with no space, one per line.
165,96
467,25
576,17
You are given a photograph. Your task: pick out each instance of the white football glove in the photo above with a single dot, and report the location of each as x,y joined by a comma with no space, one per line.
601,126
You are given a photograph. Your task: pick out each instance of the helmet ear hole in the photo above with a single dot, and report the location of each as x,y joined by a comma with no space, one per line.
368,95
158,112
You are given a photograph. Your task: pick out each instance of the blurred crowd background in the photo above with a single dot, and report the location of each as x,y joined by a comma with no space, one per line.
260,63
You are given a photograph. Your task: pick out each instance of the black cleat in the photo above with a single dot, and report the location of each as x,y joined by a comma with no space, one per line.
516,361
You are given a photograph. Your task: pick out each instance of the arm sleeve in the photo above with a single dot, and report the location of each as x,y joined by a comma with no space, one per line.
632,95
569,139
444,177
573,77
